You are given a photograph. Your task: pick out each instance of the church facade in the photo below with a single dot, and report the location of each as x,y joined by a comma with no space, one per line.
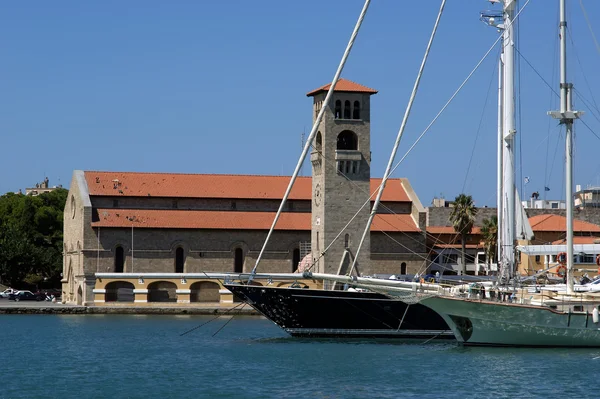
151,223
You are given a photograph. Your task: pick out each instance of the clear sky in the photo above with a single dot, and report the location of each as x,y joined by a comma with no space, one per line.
219,87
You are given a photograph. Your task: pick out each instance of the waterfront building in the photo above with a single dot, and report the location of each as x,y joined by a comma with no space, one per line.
145,234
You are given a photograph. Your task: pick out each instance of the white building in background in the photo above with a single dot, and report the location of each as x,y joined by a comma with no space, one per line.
535,203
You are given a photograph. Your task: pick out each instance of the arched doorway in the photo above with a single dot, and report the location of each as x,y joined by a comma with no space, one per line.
238,260
295,259
403,268
119,259
79,296
205,291
119,291
179,260
162,291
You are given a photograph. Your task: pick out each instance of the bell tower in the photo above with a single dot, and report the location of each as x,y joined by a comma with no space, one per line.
341,177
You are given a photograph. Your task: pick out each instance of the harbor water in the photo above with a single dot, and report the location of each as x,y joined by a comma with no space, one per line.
104,356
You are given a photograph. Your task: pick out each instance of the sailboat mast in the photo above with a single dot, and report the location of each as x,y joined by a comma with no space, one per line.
509,131
566,115
499,201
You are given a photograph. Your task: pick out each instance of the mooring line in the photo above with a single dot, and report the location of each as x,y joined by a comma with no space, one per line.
214,318
228,321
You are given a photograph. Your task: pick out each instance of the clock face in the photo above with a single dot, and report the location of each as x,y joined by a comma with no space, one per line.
317,195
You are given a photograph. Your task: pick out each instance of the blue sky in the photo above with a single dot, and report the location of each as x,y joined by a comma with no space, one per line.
219,87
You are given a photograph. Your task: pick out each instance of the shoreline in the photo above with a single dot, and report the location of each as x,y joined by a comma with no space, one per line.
164,310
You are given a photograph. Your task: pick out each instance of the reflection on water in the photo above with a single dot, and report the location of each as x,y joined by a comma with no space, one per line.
97,356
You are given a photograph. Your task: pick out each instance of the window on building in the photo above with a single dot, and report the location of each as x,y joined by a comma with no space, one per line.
319,142
347,140
346,240
295,259
356,110
238,260
347,110
338,109
537,259
403,268
119,259
179,260
554,205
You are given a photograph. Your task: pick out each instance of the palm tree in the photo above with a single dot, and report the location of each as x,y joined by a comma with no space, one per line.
463,218
489,232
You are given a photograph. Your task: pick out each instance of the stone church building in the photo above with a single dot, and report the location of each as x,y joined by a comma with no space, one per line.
145,224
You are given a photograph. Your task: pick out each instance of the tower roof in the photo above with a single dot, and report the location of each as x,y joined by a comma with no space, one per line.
343,85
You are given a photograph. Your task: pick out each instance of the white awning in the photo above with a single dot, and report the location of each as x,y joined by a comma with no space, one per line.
556,249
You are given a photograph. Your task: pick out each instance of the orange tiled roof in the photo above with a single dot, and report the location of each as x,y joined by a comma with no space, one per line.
179,185
449,230
578,240
550,222
343,85
229,220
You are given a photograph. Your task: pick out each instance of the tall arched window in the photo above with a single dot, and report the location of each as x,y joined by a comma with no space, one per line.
119,259
338,109
346,240
179,260
356,110
295,259
347,140
238,260
347,110
403,268
319,142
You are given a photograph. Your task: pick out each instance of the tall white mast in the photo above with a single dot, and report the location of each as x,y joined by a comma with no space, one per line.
499,201
509,131
566,115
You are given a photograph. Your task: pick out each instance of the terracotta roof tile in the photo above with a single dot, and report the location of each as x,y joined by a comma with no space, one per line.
449,230
229,220
578,240
179,185
343,85
551,222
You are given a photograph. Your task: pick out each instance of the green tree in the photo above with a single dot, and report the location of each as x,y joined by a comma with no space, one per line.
462,218
31,237
489,233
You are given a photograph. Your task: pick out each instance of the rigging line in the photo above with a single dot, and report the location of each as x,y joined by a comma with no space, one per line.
436,239
587,20
229,321
479,126
519,113
587,102
214,318
581,66
399,135
313,132
456,92
537,73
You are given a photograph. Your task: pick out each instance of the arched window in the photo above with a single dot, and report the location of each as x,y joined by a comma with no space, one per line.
356,110
119,259
179,260
403,268
347,140
347,110
295,259
346,240
338,109
238,260
319,142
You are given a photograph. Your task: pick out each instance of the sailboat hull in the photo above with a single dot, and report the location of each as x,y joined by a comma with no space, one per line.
321,313
506,324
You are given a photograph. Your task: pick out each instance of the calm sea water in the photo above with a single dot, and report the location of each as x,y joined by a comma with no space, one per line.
102,356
